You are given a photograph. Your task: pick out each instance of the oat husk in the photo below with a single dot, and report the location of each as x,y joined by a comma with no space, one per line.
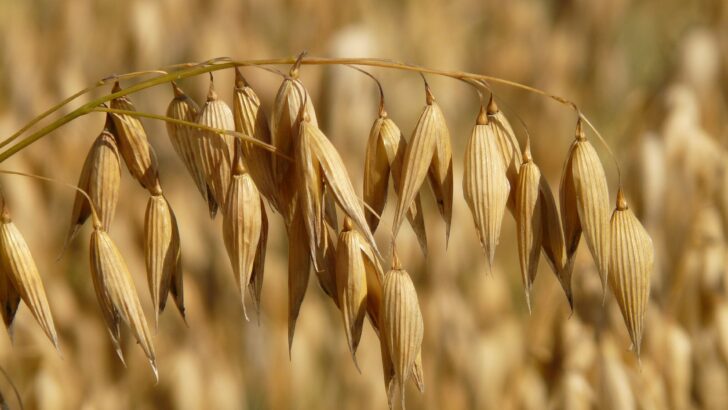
299,270
138,154
255,285
485,185
9,300
553,244
508,146
632,262
529,221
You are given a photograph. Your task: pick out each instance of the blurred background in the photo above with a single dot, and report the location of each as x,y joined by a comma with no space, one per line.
652,75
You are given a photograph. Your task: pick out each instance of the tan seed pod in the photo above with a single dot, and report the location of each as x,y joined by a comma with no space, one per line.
430,139
592,201
161,250
387,366
529,221
9,300
242,224
183,138
134,146
100,179
441,177
251,120
176,286
553,240
213,150
508,146
255,285
402,323
485,185
352,282
310,194
418,373
632,261
117,295
384,155
336,178
17,262
299,269
326,256
284,123
569,212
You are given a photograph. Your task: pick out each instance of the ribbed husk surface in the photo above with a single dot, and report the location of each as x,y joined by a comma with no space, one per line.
508,147
161,250
242,225
553,244
183,138
255,285
632,261
100,179
250,119
428,153
9,300
299,270
529,221
384,156
485,185
20,268
402,323
213,150
116,294
138,154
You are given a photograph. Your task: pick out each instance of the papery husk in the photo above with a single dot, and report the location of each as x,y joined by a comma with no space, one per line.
427,152
402,323
384,155
242,224
632,261
310,194
553,240
100,179
569,212
138,154
213,150
117,295
176,286
161,250
485,185
250,119
9,300
285,122
529,221
335,176
19,266
184,140
508,147
299,269
326,275
255,285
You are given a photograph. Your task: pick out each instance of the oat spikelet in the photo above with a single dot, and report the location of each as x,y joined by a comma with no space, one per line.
310,194
183,138
632,261
553,240
485,185
176,286
402,323
427,152
213,150
529,221
117,296
508,146
384,155
138,154
100,178
569,212
592,201
161,250
326,276
336,178
242,224
9,300
251,120
255,285
18,264
299,269
351,283
284,127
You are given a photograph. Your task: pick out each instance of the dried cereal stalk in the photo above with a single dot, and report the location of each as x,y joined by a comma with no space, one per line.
485,185
251,120
402,323
529,220
117,295
213,150
632,261
242,223
138,154
384,155
100,179
161,250
18,264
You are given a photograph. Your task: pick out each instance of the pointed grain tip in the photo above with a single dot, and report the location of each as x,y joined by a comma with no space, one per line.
240,81
621,201
482,117
492,106
178,93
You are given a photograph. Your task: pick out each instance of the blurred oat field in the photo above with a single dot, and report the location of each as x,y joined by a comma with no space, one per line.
652,75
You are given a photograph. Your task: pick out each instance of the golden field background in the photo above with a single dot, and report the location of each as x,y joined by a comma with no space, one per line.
652,75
